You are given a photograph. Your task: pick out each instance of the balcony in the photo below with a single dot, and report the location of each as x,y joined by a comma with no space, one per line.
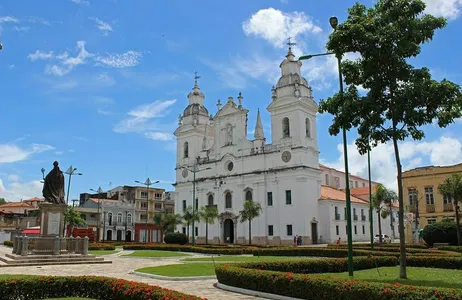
448,207
413,209
430,208
363,218
337,217
355,217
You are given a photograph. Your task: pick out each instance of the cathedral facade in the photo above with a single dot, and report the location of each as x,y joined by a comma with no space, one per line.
228,167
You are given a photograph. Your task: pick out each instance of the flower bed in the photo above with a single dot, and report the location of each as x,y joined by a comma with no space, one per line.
102,288
101,246
252,276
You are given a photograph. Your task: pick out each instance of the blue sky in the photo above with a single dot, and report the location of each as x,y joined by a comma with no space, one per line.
99,84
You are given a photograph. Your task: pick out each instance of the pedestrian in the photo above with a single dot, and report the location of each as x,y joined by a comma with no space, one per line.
295,241
299,240
338,241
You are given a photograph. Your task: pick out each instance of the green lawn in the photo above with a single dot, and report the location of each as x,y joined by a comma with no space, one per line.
416,276
156,253
244,258
181,270
103,252
70,298
14,276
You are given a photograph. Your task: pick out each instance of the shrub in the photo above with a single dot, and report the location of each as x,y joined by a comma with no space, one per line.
8,243
305,286
435,262
367,246
101,246
441,232
451,248
176,238
102,288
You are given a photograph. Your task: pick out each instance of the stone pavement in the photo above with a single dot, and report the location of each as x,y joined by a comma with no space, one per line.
120,268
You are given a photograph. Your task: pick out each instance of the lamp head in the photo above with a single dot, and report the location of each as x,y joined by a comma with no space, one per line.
333,22
1,46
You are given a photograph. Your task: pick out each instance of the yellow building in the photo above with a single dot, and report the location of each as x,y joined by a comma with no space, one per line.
420,188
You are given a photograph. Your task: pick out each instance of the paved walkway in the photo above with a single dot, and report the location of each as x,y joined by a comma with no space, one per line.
120,268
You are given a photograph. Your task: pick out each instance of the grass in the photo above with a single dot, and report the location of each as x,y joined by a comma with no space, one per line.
70,298
244,258
416,276
181,270
102,252
14,276
156,253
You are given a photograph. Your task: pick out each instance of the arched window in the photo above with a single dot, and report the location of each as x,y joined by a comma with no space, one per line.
228,200
129,218
210,200
109,218
119,218
308,127
186,150
248,196
285,127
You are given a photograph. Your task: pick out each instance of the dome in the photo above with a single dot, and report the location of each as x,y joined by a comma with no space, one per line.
194,109
290,79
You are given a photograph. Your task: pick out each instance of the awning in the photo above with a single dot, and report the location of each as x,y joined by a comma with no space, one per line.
31,231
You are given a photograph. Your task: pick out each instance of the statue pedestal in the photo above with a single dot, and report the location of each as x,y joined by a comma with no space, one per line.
51,219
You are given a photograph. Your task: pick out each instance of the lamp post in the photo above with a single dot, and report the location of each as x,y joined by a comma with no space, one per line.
147,183
370,199
194,170
334,22
99,191
70,172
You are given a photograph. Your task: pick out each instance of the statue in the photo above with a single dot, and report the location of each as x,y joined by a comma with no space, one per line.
53,187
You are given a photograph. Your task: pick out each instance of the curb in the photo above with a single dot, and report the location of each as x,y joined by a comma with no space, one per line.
252,292
167,278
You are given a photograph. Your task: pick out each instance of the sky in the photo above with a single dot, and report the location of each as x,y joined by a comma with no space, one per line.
99,84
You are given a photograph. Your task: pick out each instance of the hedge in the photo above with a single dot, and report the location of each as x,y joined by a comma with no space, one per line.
103,288
451,248
8,243
367,246
306,286
175,238
101,246
435,262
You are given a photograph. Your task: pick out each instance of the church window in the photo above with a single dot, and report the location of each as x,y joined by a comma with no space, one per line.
184,205
270,198
289,230
228,200
230,166
109,218
270,230
288,197
248,196
119,218
285,127
210,200
186,150
307,127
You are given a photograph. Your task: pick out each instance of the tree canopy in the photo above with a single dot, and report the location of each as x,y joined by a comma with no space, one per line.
452,188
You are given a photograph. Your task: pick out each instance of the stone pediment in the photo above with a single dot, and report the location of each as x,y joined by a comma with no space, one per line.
230,109
290,101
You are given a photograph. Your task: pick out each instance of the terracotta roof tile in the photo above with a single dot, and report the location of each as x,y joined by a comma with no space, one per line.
15,204
35,199
362,190
330,193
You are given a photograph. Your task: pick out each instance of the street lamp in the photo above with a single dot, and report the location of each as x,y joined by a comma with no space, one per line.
43,169
147,183
70,172
333,23
194,171
99,191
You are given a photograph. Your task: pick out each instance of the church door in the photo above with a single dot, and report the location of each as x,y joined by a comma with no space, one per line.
229,231
109,235
314,233
119,235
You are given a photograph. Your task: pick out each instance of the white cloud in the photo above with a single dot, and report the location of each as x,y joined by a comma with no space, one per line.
412,154
153,110
123,60
159,136
277,26
444,8
10,153
40,55
8,19
17,191
13,177
82,2
103,26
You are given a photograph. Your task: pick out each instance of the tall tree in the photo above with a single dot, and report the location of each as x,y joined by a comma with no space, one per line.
400,98
382,201
2,201
188,216
73,218
452,188
167,222
208,214
251,211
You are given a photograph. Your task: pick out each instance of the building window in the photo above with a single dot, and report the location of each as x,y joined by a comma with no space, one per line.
184,205
228,200
109,218
285,127
356,230
143,217
184,230
144,195
269,199
186,150
431,220
327,179
158,206
337,215
289,230
364,184
129,218
270,230
210,200
447,199
412,197
337,182
345,213
337,230
119,218
288,197
307,127
158,196
248,196
429,195
197,203
144,205
197,231
364,230
351,183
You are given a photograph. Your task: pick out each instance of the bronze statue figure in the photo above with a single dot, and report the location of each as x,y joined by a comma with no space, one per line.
53,187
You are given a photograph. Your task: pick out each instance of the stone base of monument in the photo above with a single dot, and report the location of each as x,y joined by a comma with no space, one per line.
50,248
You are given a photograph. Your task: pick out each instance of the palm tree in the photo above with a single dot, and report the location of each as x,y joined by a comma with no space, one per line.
208,214
167,222
251,211
188,216
382,195
452,188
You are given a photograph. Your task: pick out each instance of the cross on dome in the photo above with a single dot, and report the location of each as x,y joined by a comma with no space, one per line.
290,44
195,78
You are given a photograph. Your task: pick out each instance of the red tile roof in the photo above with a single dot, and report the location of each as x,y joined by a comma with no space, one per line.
35,199
330,193
15,204
363,191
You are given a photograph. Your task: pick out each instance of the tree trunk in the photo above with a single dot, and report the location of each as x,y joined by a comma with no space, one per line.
391,221
206,233
380,226
459,237
402,238
250,232
187,230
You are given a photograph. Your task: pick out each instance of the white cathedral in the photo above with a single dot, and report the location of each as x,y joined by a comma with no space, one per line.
298,195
